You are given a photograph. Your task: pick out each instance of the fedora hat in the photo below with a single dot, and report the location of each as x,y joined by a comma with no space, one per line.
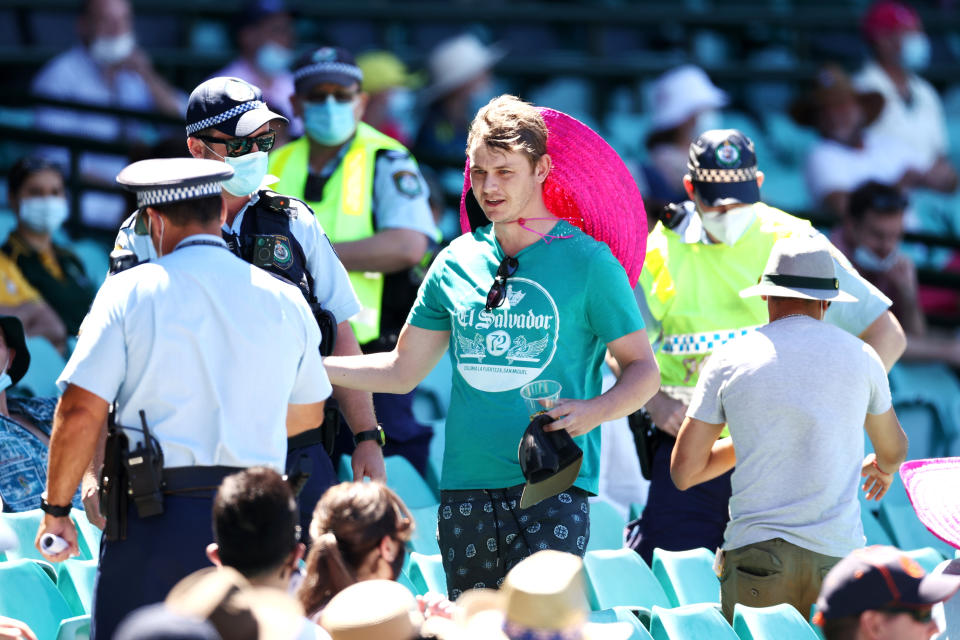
550,461
932,487
458,60
589,185
800,267
832,86
372,610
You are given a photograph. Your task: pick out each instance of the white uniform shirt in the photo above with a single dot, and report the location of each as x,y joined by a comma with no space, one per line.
211,348
331,285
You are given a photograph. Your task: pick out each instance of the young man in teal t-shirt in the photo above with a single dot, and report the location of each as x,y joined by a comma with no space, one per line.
527,297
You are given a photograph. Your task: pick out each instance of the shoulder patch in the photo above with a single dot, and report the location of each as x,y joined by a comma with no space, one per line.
395,154
407,183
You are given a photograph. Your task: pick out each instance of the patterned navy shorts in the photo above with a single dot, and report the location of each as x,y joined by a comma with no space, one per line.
483,533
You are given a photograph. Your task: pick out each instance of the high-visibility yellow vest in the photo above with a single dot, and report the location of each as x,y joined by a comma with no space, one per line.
693,290
345,212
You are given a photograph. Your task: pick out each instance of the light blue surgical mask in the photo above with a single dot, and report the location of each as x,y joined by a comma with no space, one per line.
5,380
274,59
44,214
249,170
870,261
329,123
915,50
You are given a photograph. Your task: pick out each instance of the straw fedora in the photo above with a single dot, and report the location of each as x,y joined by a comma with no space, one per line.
457,61
589,185
543,596
932,487
372,610
833,86
800,267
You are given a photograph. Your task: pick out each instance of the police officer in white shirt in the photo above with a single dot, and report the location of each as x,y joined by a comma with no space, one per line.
228,121
212,363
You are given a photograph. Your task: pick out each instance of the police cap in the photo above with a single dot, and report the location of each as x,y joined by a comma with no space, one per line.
166,180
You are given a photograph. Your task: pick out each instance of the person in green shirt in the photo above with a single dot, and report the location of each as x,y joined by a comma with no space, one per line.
527,297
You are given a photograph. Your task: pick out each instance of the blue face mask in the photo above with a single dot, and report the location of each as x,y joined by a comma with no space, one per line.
329,123
248,173
870,261
915,50
5,380
274,59
45,214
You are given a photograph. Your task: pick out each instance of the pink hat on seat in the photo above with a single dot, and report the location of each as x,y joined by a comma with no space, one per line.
933,486
590,186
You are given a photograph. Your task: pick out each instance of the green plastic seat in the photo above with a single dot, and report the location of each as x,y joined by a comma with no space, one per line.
606,527
424,538
626,614
27,593
901,520
687,577
76,628
873,530
636,510
694,621
89,534
426,573
75,580
25,524
405,581
779,622
620,578
409,485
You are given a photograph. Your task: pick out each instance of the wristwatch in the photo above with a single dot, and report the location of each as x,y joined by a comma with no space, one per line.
371,434
55,510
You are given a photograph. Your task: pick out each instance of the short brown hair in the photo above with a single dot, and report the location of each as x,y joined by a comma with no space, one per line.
509,123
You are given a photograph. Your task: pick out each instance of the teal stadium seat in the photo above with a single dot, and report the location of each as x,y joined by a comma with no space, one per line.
95,258
75,580
76,628
424,538
901,520
693,621
620,578
46,363
626,614
873,530
606,526
405,581
779,622
89,535
426,573
687,577
24,525
926,557
27,593
408,484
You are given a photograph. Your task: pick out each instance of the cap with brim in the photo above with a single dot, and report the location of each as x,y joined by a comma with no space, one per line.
722,164
831,86
717,194
333,65
167,180
933,486
15,339
589,186
457,61
800,267
230,105
550,461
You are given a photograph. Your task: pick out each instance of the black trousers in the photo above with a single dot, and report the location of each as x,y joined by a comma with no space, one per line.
322,477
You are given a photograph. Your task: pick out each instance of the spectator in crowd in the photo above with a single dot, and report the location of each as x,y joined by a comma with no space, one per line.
879,592
265,39
36,192
163,342
795,381
368,194
848,153
685,103
690,294
106,69
912,111
460,83
25,425
558,296
157,622
19,298
391,102
380,609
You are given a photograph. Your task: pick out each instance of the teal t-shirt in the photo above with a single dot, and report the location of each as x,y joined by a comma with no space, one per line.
565,302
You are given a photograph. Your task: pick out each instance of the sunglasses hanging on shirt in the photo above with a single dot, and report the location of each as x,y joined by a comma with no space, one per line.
498,292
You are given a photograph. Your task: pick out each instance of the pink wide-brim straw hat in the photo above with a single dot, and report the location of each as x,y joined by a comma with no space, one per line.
590,186
933,486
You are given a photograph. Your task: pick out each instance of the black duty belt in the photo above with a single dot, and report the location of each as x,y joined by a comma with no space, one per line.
185,479
305,439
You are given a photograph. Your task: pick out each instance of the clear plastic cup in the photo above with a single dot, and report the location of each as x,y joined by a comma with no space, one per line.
540,395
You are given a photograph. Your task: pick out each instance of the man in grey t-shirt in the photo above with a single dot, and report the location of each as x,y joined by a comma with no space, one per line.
795,395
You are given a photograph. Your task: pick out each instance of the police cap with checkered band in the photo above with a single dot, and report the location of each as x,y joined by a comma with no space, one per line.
167,180
723,168
229,105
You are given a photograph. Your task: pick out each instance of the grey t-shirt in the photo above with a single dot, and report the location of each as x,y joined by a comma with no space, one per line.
794,395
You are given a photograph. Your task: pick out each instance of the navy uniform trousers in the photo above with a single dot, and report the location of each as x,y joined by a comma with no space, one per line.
322,477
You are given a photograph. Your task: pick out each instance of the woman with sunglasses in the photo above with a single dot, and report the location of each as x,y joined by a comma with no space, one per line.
527,297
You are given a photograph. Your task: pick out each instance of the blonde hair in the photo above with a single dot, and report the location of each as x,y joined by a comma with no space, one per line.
509,123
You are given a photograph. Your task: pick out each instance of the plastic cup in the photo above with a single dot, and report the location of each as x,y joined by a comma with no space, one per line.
540,395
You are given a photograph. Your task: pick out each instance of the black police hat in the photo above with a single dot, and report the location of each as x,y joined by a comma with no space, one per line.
550,461
230,105
723,168
326,64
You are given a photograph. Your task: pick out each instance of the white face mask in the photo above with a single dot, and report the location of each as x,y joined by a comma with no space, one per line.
111,50
870,261
5,380
729,227
249,170
915,50
44,214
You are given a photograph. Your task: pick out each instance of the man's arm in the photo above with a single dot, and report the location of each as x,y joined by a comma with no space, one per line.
639,380
887,338
890,447
77,424
386,251
698,456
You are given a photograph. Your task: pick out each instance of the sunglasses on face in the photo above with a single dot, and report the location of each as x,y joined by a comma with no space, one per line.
343,97
498,290
923,616
242,146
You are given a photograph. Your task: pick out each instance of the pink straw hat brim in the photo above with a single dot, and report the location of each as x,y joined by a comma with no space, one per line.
591,187
932,486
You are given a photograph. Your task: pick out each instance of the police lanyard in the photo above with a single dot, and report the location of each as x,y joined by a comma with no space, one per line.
209,243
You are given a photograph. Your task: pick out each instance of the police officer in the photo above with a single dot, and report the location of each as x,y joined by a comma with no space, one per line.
228,121
370,197
212,364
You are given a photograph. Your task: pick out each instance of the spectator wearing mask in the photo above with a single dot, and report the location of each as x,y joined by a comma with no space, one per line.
912,112
37,195
19,298
392,101
106,69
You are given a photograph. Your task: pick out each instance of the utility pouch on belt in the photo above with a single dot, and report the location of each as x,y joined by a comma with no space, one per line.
328,328
113,482
325,434
646,439
144,467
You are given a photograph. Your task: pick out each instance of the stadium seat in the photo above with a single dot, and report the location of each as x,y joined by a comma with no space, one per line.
75,580
873,530
426,573
933,383
606,527
28,594
435,389
926,557
405,581
779,622
626,614
620,578
636,510
95,258
922,426
89,535
76,628
690,621
408,484
687,577
424,538
46,363
906,528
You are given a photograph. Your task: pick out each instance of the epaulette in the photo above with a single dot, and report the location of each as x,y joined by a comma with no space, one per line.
395,154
